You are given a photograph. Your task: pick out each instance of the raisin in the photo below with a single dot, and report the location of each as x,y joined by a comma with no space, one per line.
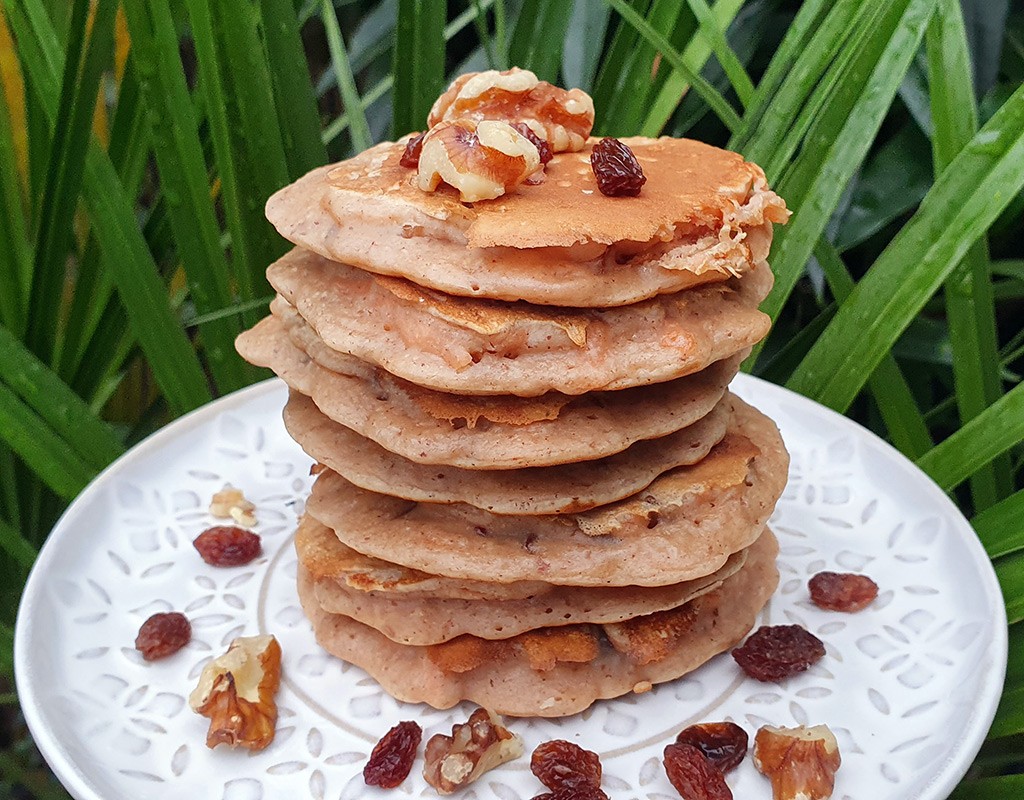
585,791
542,146
560,765
163,635
724,744
411,157
776,652
844,591
617,171
227,546
694,777
392,757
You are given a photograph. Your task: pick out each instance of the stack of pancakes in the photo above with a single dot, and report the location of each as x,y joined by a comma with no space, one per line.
534,490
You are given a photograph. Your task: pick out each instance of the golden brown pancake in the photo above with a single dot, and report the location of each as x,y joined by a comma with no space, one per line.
530,490
501,432
684,525
704,214
325,558
481,347
552,672
427,620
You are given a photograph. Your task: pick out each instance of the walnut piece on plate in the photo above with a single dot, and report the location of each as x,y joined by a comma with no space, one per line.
474,747
236,691
800,762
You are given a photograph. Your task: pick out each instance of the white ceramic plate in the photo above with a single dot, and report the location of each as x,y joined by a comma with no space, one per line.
909,686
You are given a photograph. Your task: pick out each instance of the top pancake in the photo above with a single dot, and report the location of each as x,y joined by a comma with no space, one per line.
703,215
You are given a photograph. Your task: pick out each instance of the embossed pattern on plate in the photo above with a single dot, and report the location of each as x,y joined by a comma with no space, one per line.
909,686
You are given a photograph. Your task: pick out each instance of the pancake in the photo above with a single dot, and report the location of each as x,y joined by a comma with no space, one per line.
530,490
704,214
553,672
326,559
504,432
431,620
684,525
481,347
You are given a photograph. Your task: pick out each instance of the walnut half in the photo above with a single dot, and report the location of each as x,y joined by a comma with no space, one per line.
236,691
473,748
482,161
800,762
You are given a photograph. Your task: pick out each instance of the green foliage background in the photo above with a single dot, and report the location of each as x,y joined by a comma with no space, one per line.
133,244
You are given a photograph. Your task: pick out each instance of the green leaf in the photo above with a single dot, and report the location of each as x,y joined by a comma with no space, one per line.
94,303
539,36
839,139
715,34
970,306
235,83
60,408
634,69
708,93
965,200
1010,572
174,363
1001,527
182,167
1007,787
87,57
990,434
894,180
16,545
896,404
294,98
358,127
809,50
47,454
584,43
15,250
676,86
418,63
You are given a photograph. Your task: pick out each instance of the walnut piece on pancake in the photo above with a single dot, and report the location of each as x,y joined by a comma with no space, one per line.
230,503
236,692
563,118
474,747
800,762
481,160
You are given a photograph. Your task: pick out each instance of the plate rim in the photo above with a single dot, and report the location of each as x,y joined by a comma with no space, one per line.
944,780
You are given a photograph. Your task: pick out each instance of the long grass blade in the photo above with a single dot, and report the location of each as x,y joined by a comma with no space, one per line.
584,43
970,306
183,176
418,64
987,436
95,301
1010,572
839,140
734,70
16,545
358,127
1001,527
725,112
965,200
896,404
250,159
15,250
539,36
818,34
676,86
60,408
87,57
47,454
171,357
294,97
1007,787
